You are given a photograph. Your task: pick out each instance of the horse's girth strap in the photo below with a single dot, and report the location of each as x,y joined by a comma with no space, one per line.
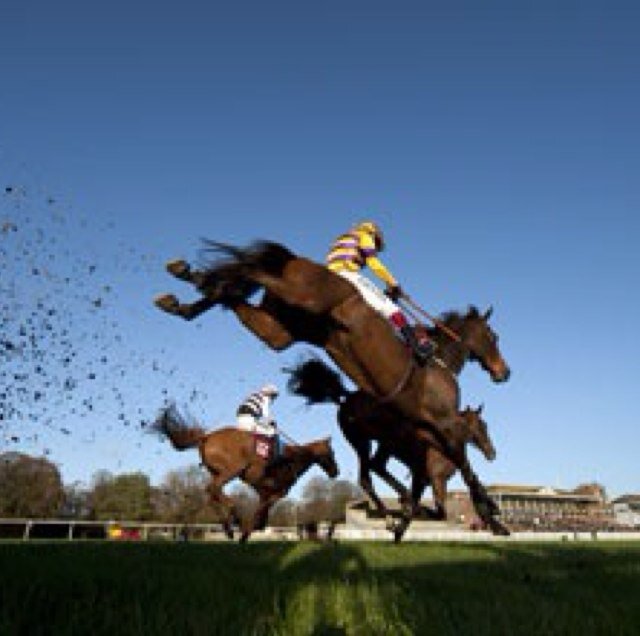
401,384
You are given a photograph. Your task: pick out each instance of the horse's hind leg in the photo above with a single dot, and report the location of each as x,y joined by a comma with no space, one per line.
264,325
171,305
218,497
181,270
363,451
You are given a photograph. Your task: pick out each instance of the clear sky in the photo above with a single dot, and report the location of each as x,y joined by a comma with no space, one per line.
497,145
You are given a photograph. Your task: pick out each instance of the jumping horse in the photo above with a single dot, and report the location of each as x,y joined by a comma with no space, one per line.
229,453
363,421
304,301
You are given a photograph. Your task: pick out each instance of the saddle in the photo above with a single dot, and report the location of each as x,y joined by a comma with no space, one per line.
264,446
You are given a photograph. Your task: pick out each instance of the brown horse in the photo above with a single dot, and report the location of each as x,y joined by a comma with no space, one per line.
304,301
363,420
229,452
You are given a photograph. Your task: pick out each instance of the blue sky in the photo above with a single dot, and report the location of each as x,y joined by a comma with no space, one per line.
496,145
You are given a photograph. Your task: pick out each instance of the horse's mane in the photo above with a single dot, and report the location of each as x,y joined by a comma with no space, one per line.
453,319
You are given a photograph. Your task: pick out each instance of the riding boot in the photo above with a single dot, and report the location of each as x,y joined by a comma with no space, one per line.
422,348
278,458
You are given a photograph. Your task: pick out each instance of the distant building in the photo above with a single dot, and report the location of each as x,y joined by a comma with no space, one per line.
626,510
521,507
544,507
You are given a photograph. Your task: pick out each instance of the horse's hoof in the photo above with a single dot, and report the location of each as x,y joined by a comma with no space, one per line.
179,268
398,533
499,529
167,302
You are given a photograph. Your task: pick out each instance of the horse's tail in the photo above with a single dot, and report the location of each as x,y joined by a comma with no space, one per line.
171,424
317,382
226,273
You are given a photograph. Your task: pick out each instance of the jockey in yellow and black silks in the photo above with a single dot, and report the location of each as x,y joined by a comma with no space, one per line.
349,254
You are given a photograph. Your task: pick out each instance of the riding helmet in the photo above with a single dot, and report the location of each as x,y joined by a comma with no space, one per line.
372,228
269,389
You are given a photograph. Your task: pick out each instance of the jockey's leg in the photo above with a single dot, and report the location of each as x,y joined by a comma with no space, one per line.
246,422
422,347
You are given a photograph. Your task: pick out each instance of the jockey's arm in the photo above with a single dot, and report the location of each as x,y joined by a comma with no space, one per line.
376,266
370,253
265,418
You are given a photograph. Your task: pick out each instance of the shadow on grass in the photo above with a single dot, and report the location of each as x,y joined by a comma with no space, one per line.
264,588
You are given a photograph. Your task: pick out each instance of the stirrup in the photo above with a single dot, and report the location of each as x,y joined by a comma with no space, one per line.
424,352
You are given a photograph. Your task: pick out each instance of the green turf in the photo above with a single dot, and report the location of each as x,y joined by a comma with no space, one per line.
290,589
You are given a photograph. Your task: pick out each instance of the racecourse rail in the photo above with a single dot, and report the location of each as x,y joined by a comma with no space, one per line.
35,529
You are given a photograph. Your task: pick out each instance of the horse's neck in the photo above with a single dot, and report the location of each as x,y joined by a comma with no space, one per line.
301,461
453,354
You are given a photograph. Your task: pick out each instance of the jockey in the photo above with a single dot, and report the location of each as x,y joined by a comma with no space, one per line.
353,250
253,415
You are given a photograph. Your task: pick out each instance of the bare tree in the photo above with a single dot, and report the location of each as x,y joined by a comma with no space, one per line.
29,486
284,514
121,497
182,497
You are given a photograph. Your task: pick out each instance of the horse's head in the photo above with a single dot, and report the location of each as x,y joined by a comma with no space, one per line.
482,343
478,432
325,458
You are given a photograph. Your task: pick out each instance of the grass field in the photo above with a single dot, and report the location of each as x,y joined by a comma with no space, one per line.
308,589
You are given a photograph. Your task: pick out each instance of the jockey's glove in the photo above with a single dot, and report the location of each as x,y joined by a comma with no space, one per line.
394,292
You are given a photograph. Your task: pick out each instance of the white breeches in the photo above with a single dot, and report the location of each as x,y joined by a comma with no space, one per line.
371,293
251,424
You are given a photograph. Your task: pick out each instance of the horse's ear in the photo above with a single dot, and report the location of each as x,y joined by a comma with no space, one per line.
487,314
479,409
473,311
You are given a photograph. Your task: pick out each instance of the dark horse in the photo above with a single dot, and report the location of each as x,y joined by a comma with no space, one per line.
474,341
304,301
229,452
362,420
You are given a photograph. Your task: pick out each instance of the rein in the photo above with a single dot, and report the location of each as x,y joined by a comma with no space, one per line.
288,438
440,325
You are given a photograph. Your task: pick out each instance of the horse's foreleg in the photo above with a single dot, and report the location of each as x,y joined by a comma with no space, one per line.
171,305
483,504
439,486
378,465
260,517
412,506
